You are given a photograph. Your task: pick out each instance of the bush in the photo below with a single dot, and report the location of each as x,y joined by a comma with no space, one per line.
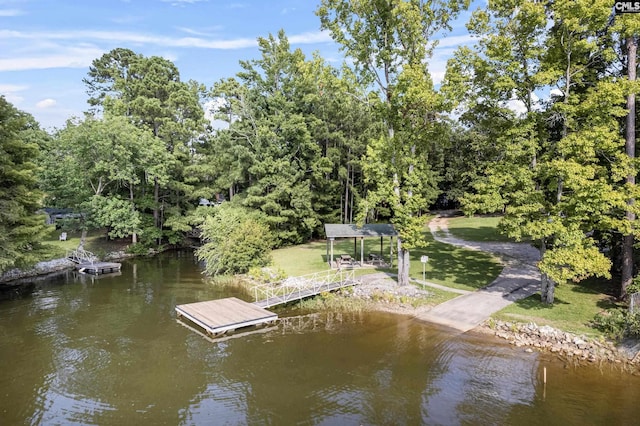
618,323
267,275
236,241
633,324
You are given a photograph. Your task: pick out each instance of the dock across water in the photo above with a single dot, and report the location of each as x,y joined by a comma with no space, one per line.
99,268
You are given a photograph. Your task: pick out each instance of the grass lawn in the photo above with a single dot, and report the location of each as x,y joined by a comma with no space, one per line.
96,243
447,265
575,304
477,228
574,307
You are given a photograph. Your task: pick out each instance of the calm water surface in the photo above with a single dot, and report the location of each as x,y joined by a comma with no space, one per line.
109,351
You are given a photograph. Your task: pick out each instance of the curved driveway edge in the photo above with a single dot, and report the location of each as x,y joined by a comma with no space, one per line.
520,278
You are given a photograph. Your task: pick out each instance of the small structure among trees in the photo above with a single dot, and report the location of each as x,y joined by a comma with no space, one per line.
381,230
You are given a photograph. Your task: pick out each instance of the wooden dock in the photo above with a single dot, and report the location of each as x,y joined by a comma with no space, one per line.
219,316
98,268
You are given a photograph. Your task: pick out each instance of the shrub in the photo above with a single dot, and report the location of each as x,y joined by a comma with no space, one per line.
237,240
633,324
267,274
613,323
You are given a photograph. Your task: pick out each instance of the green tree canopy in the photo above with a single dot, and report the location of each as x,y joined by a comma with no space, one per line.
21,228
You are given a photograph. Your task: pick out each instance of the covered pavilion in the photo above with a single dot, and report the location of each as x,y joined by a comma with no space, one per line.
351,230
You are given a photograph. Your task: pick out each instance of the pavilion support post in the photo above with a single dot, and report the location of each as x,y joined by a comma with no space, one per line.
381,244
331,239
361,251
355,247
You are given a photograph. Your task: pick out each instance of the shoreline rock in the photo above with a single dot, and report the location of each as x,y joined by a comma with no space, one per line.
580,349
16,276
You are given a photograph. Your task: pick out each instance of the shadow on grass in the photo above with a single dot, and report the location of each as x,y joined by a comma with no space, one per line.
533,302
485,234
452,265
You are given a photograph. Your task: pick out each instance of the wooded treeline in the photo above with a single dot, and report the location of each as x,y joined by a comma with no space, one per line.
533,121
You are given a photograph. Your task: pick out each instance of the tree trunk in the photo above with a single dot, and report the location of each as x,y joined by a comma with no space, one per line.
134,236
547,285
630,147
156,202
403,264
83,238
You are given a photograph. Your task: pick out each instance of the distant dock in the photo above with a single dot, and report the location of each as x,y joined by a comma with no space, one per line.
98,268
88,263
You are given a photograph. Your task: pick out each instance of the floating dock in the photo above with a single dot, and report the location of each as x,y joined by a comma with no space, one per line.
98,268
219,316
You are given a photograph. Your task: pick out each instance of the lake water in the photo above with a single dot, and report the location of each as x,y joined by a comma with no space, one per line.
109,351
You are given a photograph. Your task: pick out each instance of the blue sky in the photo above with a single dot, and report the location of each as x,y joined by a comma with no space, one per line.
46,46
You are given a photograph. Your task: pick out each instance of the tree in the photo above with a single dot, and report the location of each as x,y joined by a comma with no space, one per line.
557,175
628,29
150,94
94,167
21,228
391,43
236,240
293,137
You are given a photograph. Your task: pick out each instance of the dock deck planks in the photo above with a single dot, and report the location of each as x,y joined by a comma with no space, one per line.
219,316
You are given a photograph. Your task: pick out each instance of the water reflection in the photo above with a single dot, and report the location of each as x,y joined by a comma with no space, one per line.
106,351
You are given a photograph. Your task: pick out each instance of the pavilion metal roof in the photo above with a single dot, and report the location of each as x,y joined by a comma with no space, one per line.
338,230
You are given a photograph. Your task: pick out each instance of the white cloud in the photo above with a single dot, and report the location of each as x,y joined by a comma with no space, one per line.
455,41
556,92
46,52
46,103
11,92
7,13
207,32
311,37
66,58
519,107
12,88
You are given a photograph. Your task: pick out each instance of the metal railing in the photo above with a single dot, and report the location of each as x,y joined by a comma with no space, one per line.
81,256
296,288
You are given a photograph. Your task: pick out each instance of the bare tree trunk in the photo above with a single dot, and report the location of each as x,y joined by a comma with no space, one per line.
547,285
134,236
346,197
156,198
630,147
83,238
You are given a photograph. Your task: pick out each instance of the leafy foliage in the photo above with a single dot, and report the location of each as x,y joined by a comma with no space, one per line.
618,323
21,228
236,240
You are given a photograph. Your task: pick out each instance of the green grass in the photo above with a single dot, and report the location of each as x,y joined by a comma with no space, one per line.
574,307
96,243
312,257
477,228
454,266
575,304
448,265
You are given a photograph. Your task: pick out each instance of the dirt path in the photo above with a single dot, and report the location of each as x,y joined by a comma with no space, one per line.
519,278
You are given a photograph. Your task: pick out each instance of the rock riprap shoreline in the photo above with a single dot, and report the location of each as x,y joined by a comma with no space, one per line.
563,344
